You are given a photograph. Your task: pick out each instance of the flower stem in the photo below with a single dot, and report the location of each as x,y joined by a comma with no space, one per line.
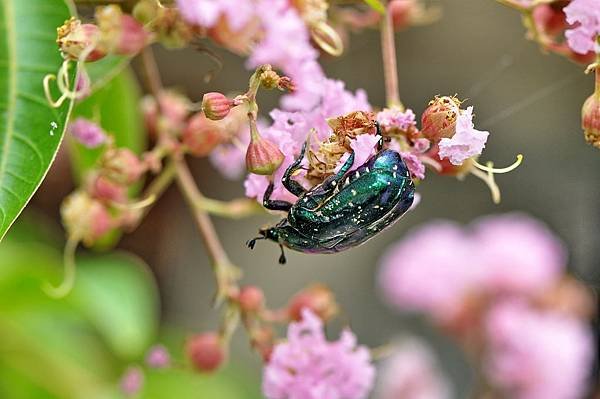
225,273
390,67
151,72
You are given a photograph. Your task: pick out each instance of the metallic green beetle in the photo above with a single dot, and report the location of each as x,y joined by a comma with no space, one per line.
343,211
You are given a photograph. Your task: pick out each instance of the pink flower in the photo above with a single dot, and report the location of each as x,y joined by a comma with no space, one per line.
158,357
439,266
308,366
413,373
537,355
132,381
432,270
229,160
414,164
87,132
585,15
291,129
363,146
467,142
394,118
518,253
206,13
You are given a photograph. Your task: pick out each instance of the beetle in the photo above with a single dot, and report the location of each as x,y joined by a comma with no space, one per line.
345,210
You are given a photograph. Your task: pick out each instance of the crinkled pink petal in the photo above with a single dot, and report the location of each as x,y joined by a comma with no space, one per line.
363,146
584,15
467,142
414,164
87,132
391,118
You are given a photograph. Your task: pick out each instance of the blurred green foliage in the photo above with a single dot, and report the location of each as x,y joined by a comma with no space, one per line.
79,346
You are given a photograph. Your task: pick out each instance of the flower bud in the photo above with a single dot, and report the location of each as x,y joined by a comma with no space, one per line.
87,133
74,38
318,298
122,166
174,108
104,189
202,135
216,106
590,120
158,357
85,217
121,33
132,381
206,352
171,29
439,118
401,11
146,11
262,156
251,299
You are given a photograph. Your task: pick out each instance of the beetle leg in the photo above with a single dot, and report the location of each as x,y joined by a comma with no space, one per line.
274,205
292,185
251,243
282,259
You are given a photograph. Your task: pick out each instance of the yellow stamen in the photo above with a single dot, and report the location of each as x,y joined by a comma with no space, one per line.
488,179
490,169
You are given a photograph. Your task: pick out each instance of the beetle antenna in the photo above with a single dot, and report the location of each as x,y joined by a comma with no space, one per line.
251,243
282,259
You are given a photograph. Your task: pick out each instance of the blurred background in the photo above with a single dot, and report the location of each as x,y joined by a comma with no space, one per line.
529,101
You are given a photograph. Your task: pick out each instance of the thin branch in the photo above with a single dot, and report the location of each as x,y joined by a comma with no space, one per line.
390,67
151,72
225,273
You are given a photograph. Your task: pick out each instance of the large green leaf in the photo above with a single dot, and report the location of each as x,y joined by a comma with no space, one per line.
30,130
115,106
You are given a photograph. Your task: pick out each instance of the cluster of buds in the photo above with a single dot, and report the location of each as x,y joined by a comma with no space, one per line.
208,351
114,33
102,203
547,23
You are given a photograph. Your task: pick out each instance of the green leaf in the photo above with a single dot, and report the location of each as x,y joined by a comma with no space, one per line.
101,72
116,108
376,5
118,295
30,129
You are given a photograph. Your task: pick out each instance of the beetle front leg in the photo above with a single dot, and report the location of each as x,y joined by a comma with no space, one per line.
290,184
274,205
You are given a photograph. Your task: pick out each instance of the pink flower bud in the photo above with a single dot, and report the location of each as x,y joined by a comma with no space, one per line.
122,166
158,357
121,33
104,189
87,132
85,217
590,120
401,11
206,352
318,298
216,106
262,156
202,135
75,38
251,299
262,339
439,118
132,381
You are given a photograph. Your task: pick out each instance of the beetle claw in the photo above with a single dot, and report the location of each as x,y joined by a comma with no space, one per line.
251,243
282,259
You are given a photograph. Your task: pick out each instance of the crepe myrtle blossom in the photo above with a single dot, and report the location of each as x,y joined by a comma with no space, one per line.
412,372
307,366
290,130
533,354
282,40
584,15
439,267
390,118
466,142
87,133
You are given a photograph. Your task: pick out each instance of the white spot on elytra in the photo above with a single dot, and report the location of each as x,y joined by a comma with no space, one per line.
353,192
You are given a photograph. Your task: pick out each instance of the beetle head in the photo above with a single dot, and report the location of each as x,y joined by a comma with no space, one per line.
266,233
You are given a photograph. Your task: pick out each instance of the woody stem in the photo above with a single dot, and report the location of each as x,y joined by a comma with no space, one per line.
390,67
